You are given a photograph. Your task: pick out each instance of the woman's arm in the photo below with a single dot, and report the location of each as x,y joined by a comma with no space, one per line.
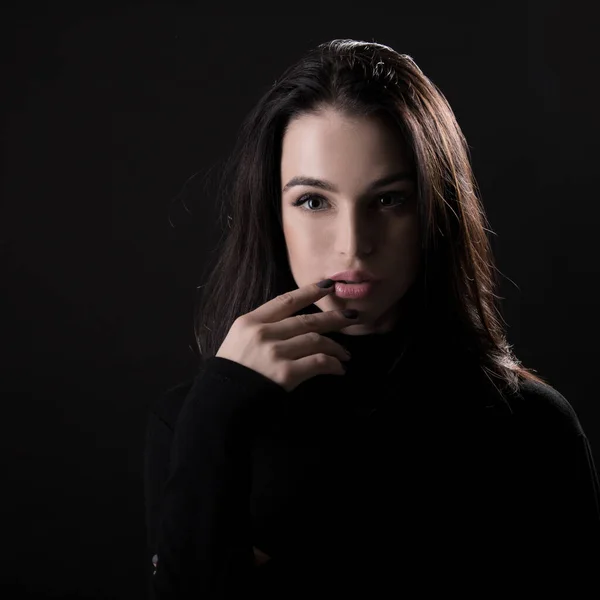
200,526
562,482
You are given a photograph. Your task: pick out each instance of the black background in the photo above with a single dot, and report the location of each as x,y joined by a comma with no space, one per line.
108,112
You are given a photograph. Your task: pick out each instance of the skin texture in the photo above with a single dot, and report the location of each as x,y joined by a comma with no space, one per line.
353,227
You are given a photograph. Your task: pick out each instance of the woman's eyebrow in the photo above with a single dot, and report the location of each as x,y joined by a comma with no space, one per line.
329,187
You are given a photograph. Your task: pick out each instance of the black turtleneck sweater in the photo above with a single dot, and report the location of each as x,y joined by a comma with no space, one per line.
407,470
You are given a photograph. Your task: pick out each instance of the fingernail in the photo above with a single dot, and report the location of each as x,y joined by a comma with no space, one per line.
325,283
350,313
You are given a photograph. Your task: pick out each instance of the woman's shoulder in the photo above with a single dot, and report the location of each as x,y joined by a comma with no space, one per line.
540,404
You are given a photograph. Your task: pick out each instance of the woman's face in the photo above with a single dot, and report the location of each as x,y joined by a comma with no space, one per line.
354,224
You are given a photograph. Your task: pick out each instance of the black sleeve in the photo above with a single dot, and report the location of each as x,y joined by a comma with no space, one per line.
581,494
566,512
198,484
577,487
569,535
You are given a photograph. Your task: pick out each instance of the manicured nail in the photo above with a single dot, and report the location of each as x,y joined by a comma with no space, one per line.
350,313
325,283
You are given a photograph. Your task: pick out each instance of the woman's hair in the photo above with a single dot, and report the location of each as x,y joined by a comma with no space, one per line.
458,274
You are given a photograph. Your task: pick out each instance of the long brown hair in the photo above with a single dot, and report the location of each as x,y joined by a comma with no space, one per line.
361,79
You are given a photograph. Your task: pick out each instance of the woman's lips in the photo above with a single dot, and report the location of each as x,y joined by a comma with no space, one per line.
355,291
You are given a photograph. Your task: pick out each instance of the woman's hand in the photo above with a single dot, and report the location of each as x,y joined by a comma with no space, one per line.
288,349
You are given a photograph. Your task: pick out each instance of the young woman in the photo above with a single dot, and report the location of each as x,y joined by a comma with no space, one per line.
426,455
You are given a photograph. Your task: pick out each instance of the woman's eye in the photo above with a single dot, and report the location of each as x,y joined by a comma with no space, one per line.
398,198
391,200
311,200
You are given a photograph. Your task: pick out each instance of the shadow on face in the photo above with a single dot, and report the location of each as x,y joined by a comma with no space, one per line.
349,201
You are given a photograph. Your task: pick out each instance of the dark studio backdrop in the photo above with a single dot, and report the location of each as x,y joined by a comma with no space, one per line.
108,112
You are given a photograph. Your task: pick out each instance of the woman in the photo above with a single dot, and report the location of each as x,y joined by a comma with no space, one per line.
290,468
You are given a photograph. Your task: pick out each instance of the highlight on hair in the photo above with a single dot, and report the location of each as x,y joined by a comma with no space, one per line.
361,79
